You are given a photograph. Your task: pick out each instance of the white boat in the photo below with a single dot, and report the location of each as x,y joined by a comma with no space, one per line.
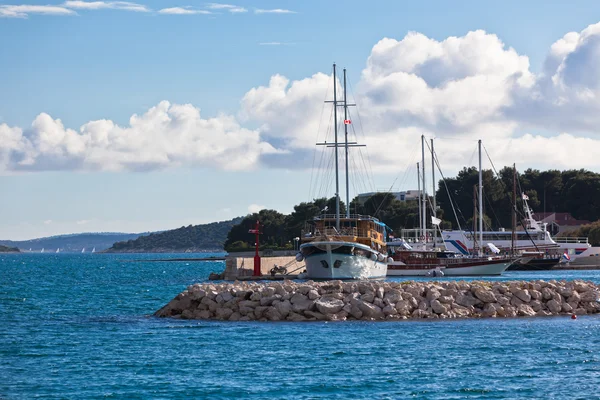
349,247
42,250
58,250
94,250
355,252
83,250
535,237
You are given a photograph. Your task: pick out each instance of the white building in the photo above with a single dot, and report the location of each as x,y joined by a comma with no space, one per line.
402,196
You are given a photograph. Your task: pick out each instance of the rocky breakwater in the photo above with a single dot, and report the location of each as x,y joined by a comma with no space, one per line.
373,301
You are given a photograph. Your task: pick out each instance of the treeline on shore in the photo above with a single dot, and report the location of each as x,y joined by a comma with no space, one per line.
187,238
571,191
6,249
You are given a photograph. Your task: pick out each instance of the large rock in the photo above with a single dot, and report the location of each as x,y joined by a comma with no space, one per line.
393,296
523,295
369,310
438,307
487,296
466,300
554,306
284,307
525,310
327,305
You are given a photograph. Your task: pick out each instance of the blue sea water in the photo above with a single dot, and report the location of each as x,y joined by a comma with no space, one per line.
79,326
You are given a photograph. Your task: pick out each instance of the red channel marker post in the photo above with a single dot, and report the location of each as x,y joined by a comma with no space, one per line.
256,231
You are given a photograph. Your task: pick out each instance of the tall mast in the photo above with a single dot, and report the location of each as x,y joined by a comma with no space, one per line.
514,211
419,202
480,202
346,146
337,172
434,213
424,198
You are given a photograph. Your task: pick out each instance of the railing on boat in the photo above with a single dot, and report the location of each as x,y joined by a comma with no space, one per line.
331,231
344,218
582,240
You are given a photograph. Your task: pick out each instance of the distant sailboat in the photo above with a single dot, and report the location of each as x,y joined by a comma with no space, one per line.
58,250
83,250
94,250
42,250
30,249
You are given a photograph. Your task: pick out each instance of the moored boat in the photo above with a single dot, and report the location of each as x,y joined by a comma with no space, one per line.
409,262
348,247
356,251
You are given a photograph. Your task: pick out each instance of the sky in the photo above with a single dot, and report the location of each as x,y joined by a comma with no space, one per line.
142,116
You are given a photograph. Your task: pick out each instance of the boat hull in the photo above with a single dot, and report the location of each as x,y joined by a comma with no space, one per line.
535,264
490,268
326,264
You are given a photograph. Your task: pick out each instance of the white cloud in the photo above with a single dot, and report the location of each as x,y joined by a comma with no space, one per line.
83,221
274,11
47,222
229,7
182,11
458,90
166,135
23,11
99,5
254,208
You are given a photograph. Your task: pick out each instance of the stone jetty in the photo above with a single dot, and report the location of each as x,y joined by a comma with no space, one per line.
376,301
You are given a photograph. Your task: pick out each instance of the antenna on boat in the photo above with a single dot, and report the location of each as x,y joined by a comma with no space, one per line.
434,213
424,198
346,123
419,192
480,202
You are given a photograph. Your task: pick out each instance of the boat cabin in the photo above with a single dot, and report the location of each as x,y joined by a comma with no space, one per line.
357,228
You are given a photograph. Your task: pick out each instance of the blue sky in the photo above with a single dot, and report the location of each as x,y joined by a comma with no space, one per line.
108,62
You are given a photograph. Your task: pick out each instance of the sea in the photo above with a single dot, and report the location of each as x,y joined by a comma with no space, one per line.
80,326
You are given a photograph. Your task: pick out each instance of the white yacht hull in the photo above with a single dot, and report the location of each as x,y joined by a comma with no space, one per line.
327,264
398,268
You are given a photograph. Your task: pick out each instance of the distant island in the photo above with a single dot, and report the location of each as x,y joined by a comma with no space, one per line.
6,249
71,243
187,239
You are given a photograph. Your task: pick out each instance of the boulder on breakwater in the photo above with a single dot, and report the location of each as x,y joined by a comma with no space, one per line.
374,301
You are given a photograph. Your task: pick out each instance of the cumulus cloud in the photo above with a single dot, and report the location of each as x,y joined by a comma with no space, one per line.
166,135
182,11
23,10
99,5
458,90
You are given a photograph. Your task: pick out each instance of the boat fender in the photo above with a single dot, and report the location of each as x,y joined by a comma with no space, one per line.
373,257
390,260
380,257
299,256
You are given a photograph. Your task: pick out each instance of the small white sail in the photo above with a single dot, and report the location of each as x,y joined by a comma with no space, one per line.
83,250
94,250
58,250
42,250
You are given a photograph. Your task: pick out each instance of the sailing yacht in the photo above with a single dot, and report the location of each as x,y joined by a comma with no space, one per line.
348,247
428,261
58,250
42,250
94,250
83,250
